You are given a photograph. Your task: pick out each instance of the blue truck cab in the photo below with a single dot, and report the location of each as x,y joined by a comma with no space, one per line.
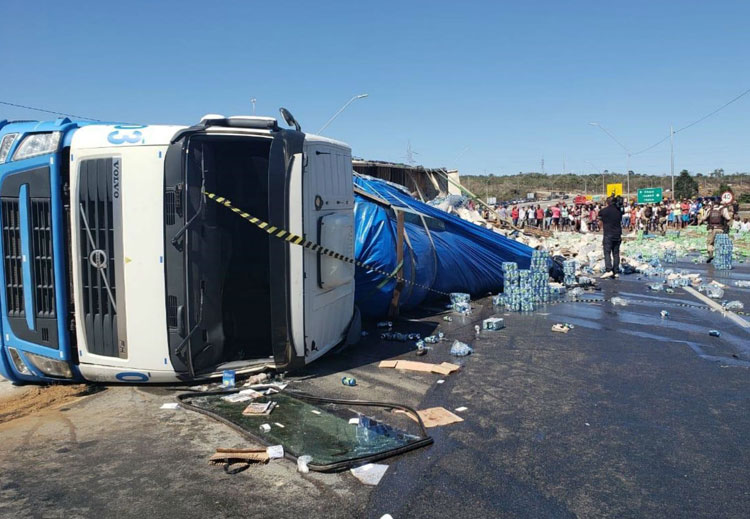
37,343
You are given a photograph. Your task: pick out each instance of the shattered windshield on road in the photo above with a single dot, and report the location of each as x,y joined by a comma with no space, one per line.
336,434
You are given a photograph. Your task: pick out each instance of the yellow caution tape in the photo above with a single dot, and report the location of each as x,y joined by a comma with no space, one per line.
290,237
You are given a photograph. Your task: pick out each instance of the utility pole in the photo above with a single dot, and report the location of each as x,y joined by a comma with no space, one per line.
628,174
542,165
671,157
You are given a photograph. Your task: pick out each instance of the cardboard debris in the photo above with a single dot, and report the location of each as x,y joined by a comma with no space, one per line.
223,455
435,416
446,368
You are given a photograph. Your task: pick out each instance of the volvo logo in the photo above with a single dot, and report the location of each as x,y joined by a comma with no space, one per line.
98,259
116,178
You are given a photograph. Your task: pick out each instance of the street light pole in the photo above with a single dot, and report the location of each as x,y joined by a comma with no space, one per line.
629,153
350,101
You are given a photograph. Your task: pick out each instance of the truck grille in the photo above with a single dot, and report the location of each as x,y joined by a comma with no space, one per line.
13,259
41,239
97,257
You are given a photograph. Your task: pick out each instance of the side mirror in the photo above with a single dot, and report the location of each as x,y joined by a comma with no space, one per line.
289,118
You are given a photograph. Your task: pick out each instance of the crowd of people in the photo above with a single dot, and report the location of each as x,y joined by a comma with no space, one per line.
658,217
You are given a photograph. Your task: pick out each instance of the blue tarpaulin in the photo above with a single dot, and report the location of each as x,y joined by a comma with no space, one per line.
441,251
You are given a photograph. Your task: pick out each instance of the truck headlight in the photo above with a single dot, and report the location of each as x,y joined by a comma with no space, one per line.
50,367
5,145
18,362
37,144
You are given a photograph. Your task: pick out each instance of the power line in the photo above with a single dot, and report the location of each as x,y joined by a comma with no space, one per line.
743,94
49,111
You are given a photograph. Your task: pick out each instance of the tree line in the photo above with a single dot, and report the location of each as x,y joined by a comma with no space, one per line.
509,187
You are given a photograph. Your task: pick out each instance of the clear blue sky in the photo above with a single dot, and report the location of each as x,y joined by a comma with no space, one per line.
513,81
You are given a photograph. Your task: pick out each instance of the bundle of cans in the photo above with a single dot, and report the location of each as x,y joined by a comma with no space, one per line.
678,282
540,261
569,272
723,248
461,302
670,256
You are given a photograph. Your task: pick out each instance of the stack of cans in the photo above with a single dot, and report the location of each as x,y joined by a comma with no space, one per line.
540,261
525,291
461,302
670,256
569,271
723,248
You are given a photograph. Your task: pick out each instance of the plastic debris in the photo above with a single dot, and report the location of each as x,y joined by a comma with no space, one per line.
265,428
170,405
618,301
575,293
302,463
656,287
742,284
664,314
493,323
714,292
369,474
349,381
562,327
227,378
460,349
714,333
275,451
431,339
477,330
385,324
734,305
447,318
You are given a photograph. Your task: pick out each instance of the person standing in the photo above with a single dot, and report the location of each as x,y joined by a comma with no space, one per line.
611,218
539,216
717,219
663,210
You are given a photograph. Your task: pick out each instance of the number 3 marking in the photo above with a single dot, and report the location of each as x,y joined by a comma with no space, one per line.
117,137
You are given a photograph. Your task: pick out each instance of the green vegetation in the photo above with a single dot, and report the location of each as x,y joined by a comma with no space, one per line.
509,187
685,186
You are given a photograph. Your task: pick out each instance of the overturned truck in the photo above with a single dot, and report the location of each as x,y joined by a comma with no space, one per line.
116,269
118,266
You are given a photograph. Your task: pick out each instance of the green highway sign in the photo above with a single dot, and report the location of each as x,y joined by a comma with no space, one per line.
650,195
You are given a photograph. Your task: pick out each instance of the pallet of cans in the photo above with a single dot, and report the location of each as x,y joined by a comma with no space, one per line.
723,249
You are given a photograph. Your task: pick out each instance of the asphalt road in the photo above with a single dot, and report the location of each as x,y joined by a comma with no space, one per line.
627,415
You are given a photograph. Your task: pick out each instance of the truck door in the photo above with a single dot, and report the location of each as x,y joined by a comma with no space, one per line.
284,185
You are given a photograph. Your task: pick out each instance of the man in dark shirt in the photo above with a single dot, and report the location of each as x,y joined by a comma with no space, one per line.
611,218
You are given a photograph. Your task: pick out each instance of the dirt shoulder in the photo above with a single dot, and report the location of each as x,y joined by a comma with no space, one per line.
32,399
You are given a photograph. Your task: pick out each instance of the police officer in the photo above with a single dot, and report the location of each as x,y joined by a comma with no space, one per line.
717,218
